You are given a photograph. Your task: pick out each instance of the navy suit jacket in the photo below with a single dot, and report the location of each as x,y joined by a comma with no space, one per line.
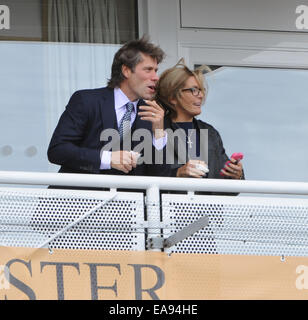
76,145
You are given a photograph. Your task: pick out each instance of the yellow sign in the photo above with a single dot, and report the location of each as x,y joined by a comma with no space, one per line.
128,275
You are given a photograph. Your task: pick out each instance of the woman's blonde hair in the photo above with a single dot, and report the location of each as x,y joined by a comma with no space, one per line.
173,80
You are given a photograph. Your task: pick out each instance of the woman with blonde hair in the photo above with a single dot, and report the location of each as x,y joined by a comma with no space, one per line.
182,92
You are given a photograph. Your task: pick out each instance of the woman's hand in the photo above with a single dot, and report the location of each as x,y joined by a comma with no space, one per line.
190,170
232,170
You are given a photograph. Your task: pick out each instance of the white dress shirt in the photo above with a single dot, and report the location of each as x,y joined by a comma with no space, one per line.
120,101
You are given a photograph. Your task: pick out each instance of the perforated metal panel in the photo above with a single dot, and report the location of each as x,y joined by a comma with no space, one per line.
239,225
29,217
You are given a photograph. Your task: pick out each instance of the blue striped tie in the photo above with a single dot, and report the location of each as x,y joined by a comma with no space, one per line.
125,122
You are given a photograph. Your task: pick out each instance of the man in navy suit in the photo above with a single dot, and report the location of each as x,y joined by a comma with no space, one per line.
77,144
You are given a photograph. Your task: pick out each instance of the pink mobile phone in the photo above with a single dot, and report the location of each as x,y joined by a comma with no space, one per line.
236,156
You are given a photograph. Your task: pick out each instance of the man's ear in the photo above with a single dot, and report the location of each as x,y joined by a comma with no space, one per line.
126,71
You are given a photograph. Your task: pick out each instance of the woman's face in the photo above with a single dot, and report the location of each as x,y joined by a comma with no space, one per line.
190,102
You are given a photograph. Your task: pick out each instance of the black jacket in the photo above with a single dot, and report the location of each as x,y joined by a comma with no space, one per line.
216,153
76,142
216,156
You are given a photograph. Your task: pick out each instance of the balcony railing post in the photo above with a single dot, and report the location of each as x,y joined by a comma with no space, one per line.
153,214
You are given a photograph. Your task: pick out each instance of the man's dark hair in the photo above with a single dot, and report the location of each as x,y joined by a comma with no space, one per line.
130,55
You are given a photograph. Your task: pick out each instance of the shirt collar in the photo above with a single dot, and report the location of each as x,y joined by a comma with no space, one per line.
120,99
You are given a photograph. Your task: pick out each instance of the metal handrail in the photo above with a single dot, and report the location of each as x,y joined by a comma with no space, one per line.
146,182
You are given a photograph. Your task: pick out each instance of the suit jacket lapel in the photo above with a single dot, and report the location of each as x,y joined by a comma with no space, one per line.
109,118
108,113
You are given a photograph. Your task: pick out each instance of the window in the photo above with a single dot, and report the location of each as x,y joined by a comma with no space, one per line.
261,112
51,49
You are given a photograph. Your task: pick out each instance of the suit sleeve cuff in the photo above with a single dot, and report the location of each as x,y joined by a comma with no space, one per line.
105,160
160,143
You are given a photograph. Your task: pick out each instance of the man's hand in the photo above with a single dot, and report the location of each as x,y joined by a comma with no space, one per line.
190,170
124,161
232,170
154,113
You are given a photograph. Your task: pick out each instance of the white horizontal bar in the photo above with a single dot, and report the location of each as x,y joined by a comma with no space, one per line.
145,182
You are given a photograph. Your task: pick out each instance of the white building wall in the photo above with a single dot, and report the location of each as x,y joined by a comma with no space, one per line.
235,38
258,111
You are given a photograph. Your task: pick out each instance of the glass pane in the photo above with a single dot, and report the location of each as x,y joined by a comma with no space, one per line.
263,113
36,82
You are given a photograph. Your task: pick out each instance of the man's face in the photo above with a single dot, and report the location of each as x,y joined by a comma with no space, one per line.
141,82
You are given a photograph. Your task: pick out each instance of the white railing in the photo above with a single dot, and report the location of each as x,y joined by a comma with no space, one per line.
160,183
236,225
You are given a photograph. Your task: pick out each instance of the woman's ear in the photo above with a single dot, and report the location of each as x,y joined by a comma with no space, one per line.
173,101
